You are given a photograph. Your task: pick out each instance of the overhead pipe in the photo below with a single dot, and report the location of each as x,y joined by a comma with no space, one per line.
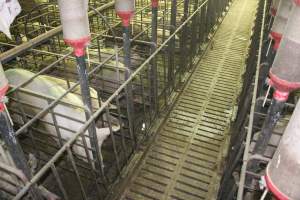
284,76
76,34
282,173
125,10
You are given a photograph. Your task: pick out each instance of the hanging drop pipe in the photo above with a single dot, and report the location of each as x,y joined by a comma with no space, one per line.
8,135
76,33
153,75
125,10
172,46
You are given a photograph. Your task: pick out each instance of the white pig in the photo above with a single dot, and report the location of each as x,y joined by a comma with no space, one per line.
77,90
70,106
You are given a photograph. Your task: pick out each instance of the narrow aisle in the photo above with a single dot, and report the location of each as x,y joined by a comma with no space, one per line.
184,160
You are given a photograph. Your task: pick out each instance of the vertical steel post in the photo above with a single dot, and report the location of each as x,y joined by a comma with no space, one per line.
86,98
171,46
211,14
125,10
8,135
202,27
15,150
76,33
272,118
193,41
153,73
183,41
128,90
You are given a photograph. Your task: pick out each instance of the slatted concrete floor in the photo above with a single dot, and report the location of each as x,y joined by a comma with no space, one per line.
184,159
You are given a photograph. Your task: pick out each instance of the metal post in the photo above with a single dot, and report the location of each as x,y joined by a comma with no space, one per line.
183,41
128,89
171,46
272,118
194,34
85,93
153,75
264,70
211,13
16,152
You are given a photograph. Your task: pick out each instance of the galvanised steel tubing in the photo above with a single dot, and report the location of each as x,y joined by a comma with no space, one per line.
171,46
128,89
271,120
194,35
252,110
50,53
86,99
59,182
15,150
183,41
211,14
202,26
61,151
153,73
12,53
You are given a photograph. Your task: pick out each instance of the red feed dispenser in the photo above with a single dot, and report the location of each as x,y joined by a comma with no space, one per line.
280,21
75,22
3,87
285,72
125,10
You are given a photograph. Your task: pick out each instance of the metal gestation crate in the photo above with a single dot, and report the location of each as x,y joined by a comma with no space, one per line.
127,107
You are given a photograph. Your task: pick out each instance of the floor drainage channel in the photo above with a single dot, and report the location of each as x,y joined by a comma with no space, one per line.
184,159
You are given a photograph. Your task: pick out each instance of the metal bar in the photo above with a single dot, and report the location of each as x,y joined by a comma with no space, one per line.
128,90
112,136
193,35
171,46
70,155
86,98
15,150
12,53
153,69
121,127
58,180
183,42
252,110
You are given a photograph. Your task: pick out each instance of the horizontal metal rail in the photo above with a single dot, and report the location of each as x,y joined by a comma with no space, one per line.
12,53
